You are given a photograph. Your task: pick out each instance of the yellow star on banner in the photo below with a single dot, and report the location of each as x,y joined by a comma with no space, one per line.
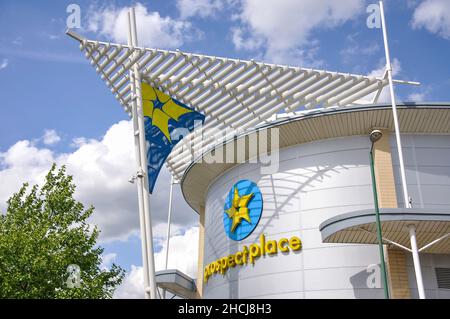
160,108
239,210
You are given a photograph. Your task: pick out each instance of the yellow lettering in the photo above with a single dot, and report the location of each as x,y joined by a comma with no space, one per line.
262,240
251,253
282,244
295,243
271,247
231,262
238,258
223,264
244,254
255,252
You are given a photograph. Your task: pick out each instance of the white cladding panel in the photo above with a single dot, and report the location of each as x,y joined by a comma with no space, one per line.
427,163
316,181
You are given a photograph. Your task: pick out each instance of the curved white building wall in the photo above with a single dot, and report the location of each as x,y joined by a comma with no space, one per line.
316,181
427,163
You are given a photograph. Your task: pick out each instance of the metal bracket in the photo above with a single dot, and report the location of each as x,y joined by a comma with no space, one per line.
139,174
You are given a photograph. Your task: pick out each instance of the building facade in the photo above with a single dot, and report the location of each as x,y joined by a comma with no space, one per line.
324,172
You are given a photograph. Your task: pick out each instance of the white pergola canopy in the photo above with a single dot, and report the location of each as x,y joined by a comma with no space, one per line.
235,95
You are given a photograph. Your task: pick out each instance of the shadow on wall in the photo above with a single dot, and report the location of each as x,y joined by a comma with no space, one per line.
366,282
300,182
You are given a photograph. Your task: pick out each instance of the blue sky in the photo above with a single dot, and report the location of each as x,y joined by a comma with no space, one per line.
48,86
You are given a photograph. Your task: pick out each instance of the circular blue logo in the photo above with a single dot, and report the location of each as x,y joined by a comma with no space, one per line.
242,209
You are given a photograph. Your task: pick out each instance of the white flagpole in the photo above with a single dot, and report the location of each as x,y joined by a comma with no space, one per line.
139,180
417,268
142,176
169,221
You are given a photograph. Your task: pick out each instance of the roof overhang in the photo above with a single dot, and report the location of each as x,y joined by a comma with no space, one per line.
359,227
177,283
315,125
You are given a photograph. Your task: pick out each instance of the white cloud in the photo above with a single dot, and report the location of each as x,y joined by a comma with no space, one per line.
22,162
4,64
182,256
356,46
251,43
416,97
153,29
201,8
50,137
284,30
101,170
107,261
433,15
132,286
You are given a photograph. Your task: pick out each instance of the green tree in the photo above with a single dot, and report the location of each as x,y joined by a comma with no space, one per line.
44,231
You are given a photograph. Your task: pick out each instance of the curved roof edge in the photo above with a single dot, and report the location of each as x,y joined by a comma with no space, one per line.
365,216
314,125
359,227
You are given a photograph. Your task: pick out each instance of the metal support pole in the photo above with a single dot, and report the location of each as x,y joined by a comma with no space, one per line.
379,234
394,109
416,259
147,239
399,143
169,221
139,180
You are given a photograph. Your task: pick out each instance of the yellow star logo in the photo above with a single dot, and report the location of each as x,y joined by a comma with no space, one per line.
239,210
160,108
